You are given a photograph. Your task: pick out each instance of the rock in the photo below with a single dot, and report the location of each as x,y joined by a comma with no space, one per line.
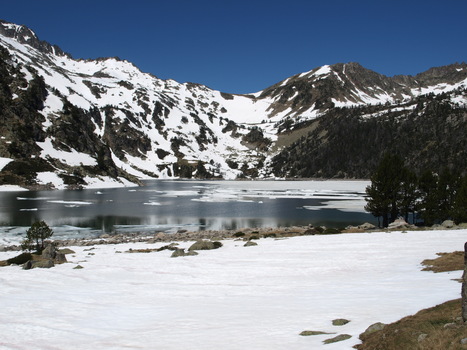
340,337
44,264
205,245
464,341
340,322
181,252
367,226
250,244
78,267
398,224
311,231
308,333
373,328
49,252
422,337
448,224
20,259
60,258
171,246
66,251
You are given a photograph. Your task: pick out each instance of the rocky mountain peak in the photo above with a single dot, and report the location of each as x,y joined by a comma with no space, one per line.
450,74
24,35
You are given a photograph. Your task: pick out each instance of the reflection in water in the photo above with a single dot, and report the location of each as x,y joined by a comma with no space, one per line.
193,205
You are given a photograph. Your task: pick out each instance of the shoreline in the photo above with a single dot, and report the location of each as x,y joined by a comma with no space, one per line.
247,234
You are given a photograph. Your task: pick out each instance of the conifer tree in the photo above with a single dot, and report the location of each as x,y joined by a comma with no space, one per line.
384,193
459,211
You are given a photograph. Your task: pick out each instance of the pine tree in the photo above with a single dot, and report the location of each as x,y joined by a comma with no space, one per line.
459,210
36,235
428,206
384,193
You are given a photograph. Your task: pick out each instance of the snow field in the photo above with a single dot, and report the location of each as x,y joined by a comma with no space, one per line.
234,297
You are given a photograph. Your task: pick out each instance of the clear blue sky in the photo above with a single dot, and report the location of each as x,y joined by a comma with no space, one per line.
243,46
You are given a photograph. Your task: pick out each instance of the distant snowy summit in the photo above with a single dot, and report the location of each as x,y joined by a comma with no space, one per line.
70,123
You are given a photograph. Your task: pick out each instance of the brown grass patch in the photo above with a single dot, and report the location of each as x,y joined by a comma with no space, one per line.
437,328
445,262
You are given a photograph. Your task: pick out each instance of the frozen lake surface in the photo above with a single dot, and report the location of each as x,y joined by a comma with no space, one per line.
231,298
168,205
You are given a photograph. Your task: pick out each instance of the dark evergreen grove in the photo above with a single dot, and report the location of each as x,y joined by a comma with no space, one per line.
430,131
429,198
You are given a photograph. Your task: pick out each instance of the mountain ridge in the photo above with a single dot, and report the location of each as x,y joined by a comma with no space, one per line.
103,120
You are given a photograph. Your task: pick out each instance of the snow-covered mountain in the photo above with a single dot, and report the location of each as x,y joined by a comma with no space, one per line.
69,122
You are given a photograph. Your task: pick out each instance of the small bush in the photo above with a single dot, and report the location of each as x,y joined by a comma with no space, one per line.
36,235
239,234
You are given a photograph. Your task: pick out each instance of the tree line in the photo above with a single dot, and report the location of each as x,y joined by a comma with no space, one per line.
425,199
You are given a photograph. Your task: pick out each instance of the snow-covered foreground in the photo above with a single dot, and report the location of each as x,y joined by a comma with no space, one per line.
235,297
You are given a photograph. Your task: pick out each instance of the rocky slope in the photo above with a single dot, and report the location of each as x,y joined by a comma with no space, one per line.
68,122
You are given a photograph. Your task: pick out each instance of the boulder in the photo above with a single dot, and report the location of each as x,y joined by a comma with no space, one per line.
181,252
340,337
250,244
20,259
49,252
448,224
367,226
399,224
43,263
60,258
340,322
66,251
205,245
375,327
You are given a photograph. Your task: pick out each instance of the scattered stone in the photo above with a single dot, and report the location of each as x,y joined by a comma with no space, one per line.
178,252
399,224
373,328
340,337
250,244
340,322
131,250
308,333
66,251
171,246
205,245
450,325
367,226
312,231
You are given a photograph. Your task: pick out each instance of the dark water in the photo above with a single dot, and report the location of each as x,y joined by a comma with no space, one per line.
171,205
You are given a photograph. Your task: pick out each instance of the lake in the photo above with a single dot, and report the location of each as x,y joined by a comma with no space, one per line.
171,205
